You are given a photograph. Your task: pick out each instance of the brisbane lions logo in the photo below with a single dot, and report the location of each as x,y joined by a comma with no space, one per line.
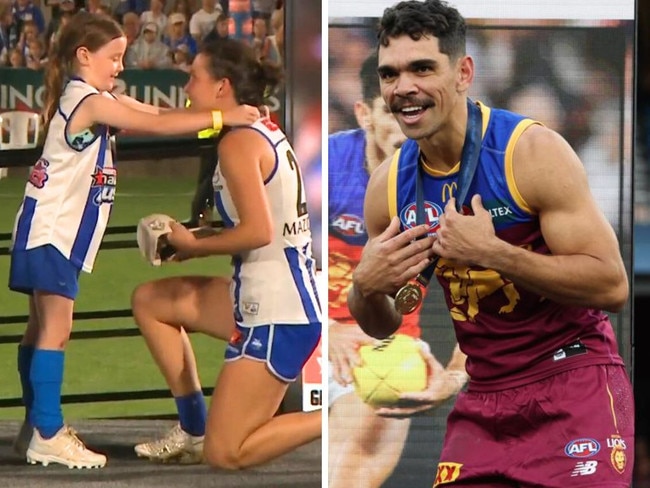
432,212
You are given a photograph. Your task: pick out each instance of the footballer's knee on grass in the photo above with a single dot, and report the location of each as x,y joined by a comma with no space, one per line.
218,456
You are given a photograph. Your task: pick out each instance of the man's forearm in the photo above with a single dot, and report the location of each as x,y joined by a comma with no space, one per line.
375,314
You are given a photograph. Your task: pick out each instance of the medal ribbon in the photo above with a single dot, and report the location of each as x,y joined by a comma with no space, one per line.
468,165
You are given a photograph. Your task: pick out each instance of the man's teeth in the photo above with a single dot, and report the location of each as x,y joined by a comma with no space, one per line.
411,110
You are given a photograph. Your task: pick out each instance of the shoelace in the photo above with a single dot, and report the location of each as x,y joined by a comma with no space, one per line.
173,437
76,442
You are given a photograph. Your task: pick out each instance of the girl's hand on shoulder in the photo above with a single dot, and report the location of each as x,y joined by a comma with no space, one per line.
240,115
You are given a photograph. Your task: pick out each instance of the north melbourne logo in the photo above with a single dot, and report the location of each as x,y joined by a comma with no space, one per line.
38,176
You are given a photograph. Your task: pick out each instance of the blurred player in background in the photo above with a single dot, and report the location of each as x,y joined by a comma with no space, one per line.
528,267
64,213
364,447
268,312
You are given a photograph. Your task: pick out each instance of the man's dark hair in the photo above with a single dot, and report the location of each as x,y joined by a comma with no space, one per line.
369,79
421,18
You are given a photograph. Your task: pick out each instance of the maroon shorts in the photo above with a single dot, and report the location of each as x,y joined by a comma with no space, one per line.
574,429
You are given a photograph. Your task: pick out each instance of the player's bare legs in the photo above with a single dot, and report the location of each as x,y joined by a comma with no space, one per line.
24,361
54,314
163,308
48,331
363,447
242,428
31,332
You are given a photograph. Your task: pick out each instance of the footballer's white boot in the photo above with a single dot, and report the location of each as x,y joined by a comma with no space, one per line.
177,446
64,448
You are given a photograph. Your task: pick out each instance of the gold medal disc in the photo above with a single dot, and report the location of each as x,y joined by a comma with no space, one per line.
408,298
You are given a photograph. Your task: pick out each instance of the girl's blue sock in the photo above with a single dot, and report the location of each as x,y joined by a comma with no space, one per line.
192,413
46,376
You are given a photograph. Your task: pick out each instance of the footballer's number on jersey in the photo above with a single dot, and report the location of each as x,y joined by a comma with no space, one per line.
301,202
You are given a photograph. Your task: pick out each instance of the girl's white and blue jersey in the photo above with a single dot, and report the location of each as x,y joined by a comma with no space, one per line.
71,188
274,284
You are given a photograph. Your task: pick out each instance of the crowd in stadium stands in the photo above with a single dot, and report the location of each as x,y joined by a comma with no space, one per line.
160,33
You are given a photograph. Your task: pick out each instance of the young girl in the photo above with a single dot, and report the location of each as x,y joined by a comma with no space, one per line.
62,218
269,311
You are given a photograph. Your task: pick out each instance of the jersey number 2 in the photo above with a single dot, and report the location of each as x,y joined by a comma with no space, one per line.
301,202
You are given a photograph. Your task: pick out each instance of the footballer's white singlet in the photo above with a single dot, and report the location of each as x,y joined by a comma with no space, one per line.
274,284
70,191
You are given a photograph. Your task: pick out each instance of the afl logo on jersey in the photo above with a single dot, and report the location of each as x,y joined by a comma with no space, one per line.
432,213
104,180
349,225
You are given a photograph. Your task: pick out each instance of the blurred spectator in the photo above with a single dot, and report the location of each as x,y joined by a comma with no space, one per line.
220,29
148,52
64,8
181,58
62,21
29,33
262,44
263,9
103,9
240,13
184,7
25,10
155,15
9,31
131,27
138,6
16,58
202,21
277,29
37,56
93,5
55,8
225,6
178,36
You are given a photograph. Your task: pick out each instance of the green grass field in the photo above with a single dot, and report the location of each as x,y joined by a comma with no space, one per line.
110,364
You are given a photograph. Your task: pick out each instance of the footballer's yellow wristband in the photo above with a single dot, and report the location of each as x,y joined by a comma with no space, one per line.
217,120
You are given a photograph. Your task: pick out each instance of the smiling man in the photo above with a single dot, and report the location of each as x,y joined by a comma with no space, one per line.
528,264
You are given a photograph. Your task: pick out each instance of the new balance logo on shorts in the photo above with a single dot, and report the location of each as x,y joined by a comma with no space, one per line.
584,468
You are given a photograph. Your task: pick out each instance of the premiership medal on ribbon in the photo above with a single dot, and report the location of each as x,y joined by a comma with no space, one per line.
408,298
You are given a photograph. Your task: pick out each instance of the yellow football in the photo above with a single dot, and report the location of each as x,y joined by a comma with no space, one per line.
389,367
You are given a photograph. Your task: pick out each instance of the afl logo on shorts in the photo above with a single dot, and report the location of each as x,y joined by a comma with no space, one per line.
582,448
432,213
